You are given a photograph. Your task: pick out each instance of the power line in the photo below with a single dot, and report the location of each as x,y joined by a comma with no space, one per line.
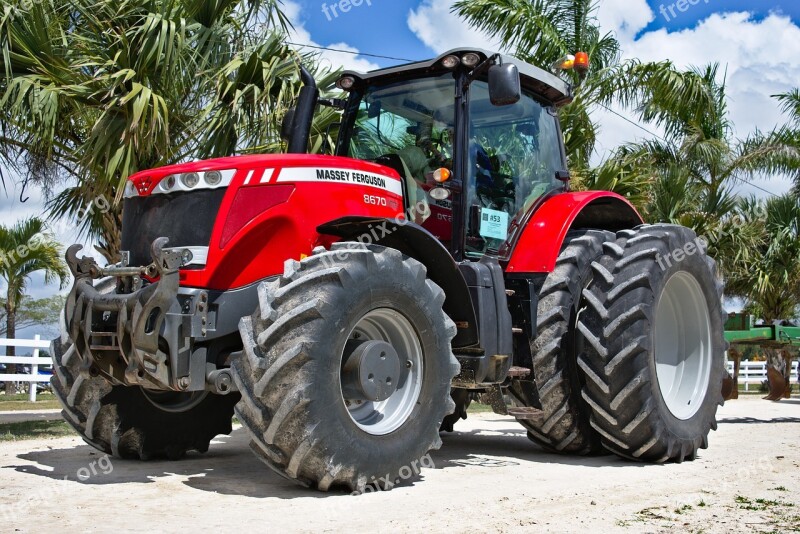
626,119
350,52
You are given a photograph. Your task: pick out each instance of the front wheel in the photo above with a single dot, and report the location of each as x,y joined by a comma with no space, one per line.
653,348
346,371
131,422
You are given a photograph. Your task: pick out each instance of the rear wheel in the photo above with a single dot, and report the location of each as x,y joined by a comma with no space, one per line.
653,344
346,372
565,425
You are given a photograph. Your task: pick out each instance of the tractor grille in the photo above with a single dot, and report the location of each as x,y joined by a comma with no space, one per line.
187,219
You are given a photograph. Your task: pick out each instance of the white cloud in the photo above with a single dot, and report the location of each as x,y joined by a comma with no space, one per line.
758,57
440,30
624,17
334,60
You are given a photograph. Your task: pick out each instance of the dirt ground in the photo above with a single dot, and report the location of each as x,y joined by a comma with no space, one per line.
487,478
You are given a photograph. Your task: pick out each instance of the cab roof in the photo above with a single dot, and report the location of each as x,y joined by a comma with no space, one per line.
546,84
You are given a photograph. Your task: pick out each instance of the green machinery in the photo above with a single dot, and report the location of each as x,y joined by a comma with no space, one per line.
776,339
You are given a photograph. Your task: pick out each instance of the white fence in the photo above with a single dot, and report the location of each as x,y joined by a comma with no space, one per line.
756,372
34,361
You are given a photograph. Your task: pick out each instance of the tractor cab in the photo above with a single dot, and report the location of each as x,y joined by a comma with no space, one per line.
475,139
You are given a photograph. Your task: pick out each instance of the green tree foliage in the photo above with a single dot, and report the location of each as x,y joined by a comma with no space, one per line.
41,313
95,90
26,248
768,279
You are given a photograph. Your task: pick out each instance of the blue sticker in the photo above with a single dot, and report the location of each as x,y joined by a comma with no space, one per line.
494,224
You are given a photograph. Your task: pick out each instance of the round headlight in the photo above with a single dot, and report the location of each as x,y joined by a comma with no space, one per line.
130,190
213,177
346,83
168,183
190,179
450,62
440,193
471,59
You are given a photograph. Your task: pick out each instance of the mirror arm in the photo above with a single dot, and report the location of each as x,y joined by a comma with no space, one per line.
337,103
482,67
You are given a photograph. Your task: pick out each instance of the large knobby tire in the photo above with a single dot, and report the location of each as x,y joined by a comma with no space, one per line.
290,374
127,423
653,344
565,427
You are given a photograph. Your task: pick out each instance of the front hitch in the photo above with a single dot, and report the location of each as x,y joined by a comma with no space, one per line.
118,335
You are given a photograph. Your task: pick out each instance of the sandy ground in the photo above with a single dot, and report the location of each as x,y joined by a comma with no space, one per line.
487,478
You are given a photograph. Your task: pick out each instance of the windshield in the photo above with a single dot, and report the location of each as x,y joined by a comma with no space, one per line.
514,154
409,126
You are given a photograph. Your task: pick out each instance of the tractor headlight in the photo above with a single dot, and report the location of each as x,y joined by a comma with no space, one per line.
213,178
471,59
130,190
451,62
346,83
168,183
190,179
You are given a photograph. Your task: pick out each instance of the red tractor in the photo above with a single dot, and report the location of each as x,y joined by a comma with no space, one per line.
347,308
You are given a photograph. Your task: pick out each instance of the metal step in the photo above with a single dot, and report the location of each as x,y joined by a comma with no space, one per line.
525,413
519,372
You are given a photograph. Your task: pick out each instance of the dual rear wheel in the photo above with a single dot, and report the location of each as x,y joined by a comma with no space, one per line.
630,353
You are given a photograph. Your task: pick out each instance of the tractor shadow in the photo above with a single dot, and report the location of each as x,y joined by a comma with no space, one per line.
230,468
506,447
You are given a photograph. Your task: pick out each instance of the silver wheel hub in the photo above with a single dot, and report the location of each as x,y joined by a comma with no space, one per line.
381,373
683,350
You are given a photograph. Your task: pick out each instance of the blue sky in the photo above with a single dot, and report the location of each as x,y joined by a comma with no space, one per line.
382,27
704,8
379,29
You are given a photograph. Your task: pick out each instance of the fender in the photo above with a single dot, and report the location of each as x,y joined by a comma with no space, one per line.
537,247
416,242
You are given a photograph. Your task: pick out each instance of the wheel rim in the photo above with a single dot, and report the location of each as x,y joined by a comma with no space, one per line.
683,351
384,417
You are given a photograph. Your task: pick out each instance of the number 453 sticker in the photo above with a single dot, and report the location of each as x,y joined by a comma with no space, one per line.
494,224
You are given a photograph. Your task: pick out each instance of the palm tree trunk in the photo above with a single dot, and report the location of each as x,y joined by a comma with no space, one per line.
11,319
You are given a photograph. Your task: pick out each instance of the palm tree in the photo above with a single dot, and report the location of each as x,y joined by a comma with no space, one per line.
789,136
95,90
693,170
26,248
542,32
769,280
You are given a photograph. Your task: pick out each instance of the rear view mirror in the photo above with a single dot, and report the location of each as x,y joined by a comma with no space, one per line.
504,84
